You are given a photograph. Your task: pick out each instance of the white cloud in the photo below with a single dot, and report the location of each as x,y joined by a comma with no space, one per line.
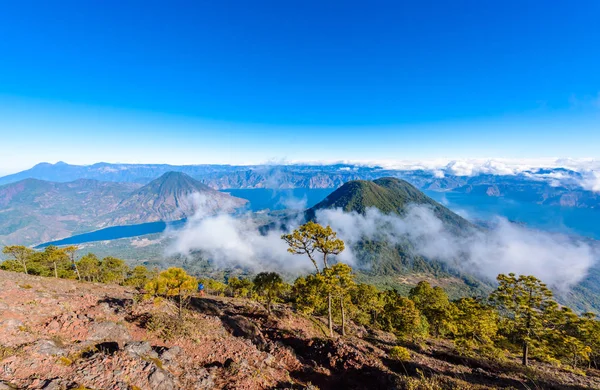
587,170
558,260
591,181
230,241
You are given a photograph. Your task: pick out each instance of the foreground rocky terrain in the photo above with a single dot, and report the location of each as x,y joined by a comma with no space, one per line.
64,334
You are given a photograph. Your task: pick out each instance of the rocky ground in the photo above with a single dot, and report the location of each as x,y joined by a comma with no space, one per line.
62,334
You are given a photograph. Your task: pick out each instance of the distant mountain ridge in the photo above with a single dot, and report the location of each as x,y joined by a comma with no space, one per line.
555,187
168,198
215,176
34,211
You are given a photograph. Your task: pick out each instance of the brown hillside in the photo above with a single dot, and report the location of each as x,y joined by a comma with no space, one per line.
63,334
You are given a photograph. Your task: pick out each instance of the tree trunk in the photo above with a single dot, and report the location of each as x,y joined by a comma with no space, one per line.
330,321
55,271
77,270
269,306
180,303
343,315
25,267
525,353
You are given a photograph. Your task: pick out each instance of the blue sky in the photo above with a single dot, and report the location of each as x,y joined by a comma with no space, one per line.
247,82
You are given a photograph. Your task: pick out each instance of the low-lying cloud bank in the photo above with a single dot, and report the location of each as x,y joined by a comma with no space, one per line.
234,241
557,259
230,241
583,172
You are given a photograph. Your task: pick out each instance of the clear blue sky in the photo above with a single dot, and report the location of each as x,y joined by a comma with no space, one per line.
241,81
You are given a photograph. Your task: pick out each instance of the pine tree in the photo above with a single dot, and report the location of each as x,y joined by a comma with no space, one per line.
21,254
71,251
89,267
113,270
401,316
269,285
138,277
368,302
310,238
174,282
239,287
310,294
476,325
340,280
434,304
590,336
524,303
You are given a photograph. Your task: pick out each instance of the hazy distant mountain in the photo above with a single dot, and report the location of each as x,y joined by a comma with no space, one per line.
535,192
136,173
35,211
216,176
556,186
169,198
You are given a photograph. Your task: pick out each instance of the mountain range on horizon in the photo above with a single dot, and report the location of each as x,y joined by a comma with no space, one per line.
46,211
34,211
549,186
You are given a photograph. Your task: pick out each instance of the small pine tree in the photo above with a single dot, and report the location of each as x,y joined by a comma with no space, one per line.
401,316
340,280
113,270
476,325
399,353
270,286
174,282
20,254
239,287
89,267
138,277
434,304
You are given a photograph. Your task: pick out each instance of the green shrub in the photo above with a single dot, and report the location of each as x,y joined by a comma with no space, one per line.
399,353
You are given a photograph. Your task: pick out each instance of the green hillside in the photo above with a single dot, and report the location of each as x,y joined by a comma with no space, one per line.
390,265
389,195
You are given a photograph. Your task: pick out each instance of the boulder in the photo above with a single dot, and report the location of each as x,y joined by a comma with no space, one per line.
140,348
160,379
170,354
109,331
48,347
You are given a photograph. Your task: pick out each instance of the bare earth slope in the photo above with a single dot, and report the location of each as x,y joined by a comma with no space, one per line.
63,334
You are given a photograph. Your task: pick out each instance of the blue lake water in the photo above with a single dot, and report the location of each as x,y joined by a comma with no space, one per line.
584,222
297,198
259,199
569,220
116,232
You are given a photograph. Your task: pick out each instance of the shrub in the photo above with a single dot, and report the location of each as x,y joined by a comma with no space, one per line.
399,353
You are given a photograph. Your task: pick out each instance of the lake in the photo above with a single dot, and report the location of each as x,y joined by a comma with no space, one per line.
569,220
584,222
297,198
258,199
